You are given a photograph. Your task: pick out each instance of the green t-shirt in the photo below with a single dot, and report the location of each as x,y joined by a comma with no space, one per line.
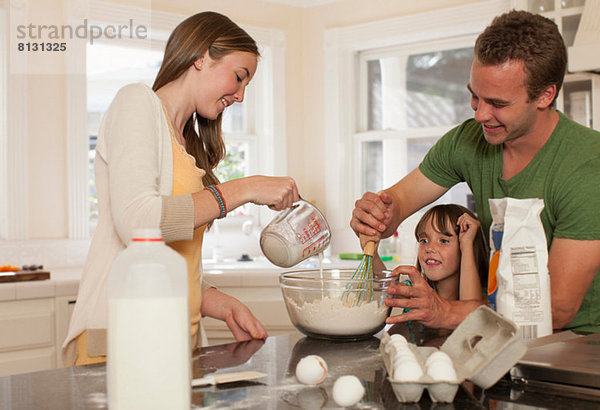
565,173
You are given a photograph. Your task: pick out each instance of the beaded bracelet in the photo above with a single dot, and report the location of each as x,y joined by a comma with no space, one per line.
219,197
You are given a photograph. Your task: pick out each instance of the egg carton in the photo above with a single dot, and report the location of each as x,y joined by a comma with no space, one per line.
483,348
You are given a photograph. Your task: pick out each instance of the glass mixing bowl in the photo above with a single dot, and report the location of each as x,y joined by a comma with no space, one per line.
329,304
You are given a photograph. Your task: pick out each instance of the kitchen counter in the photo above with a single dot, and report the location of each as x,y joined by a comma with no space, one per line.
85,386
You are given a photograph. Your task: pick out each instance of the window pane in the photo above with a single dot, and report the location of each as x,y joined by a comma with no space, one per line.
578,101
417,149
565,4
234,166
570,24
233,118
372,165
108,69
380,166
540,6
420,90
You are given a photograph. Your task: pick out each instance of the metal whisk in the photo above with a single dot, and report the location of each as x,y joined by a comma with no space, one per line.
360,289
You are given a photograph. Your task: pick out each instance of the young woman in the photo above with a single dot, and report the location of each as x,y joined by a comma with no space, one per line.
155,159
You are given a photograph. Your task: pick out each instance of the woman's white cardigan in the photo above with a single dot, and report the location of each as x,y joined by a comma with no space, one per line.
134,181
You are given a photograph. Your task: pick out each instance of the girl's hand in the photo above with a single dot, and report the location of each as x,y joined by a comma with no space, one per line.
276,192
468,229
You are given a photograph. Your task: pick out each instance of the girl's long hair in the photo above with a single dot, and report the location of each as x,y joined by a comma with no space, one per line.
188,42
445,215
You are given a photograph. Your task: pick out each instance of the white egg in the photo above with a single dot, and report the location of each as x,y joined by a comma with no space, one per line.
408,371
311,370
441,371
404,352
402,357
438,355
398,338
347,391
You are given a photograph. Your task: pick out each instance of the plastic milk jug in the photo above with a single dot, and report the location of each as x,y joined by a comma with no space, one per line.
148,352
295,234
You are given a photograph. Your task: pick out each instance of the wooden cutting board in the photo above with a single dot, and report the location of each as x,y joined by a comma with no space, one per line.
23,275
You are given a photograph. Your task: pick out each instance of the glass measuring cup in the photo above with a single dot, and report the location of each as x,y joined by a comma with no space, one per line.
295,234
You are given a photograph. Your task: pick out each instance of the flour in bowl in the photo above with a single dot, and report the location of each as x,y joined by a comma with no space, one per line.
330,316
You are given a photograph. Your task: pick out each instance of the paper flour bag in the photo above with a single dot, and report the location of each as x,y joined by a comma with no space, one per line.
519,281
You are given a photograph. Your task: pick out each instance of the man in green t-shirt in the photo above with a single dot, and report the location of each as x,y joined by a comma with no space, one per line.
518,145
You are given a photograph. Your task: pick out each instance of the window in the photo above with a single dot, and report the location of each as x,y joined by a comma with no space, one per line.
245,128
411,99
393,88
108,68
580,90
3,127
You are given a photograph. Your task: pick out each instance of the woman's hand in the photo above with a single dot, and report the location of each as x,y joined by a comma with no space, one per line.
242,323
469,227
276,192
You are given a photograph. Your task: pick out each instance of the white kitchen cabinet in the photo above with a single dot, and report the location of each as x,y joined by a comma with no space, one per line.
579,98
64,309
27,336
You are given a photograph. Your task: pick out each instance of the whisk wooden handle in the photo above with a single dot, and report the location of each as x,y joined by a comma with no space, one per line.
369,248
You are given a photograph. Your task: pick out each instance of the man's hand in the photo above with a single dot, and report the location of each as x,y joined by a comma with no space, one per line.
426,306
372,214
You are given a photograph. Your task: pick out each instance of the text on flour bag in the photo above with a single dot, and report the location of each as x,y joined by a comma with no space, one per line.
519,281
148,352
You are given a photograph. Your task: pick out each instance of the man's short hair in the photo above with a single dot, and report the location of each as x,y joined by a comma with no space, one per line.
527,37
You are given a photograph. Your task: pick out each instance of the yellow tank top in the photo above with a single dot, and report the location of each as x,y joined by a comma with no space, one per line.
187,179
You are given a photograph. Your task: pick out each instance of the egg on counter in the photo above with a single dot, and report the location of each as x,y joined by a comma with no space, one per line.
347,391
311,369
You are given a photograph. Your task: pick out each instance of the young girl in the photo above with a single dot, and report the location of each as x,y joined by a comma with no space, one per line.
452,252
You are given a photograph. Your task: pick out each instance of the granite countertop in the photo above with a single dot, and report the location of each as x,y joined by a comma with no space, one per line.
85,386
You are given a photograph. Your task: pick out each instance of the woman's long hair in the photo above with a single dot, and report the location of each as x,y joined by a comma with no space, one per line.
188,42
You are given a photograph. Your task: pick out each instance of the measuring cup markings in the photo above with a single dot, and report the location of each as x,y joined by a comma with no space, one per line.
312,248
311,230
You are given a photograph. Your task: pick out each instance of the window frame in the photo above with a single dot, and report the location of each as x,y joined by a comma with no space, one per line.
343,91
14,131
363,134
